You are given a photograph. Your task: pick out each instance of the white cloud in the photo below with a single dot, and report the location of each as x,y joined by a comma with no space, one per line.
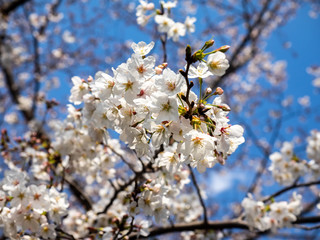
220,182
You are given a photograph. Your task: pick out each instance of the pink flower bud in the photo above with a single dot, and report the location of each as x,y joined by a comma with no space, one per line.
219,91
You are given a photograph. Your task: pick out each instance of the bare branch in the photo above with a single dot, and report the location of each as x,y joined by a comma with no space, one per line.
78,192
289,188
194,226
211,225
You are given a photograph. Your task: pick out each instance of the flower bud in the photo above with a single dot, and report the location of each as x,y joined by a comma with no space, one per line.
208,91
223,108
188,53
208,44
3,131
223,48
219,91
198,55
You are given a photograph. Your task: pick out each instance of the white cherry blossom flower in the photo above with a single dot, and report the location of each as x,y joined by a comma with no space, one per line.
165,108
141,68
164,23
231,138
200,72
169,4
203,164
13,179
217,63
285,166
160,134
126,84
144,226
102,86
255,213
189,23
142,48
29,221
169,159
176,30
143,7
39,198
79,89
198,145
20,197
170,83
59,205
47,231
143,20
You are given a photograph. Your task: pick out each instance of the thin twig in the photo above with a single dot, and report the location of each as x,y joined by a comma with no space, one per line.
164,47
306,227
122,158
78,192
199,195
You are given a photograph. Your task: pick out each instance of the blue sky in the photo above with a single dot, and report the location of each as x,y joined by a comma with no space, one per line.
304,34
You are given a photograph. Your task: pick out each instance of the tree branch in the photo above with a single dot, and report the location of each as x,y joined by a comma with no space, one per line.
6,9
289,188
212,225
78,192
194,226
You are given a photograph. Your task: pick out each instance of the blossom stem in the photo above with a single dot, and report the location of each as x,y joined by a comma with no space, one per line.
200,90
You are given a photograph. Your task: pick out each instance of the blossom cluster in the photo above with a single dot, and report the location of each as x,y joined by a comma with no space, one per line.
147,105
271,216
143,103
166,128
165,23
286,167
30,209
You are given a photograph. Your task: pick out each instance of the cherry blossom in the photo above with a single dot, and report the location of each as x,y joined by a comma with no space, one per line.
217,63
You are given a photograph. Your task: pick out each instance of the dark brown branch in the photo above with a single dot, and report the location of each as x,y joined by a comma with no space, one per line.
194,226
312,219
78,192
163,40
122,158
9,7
247,38
14,91
289,188
211,225
64,235
266,152
120,189
310,206
307,228
37,72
